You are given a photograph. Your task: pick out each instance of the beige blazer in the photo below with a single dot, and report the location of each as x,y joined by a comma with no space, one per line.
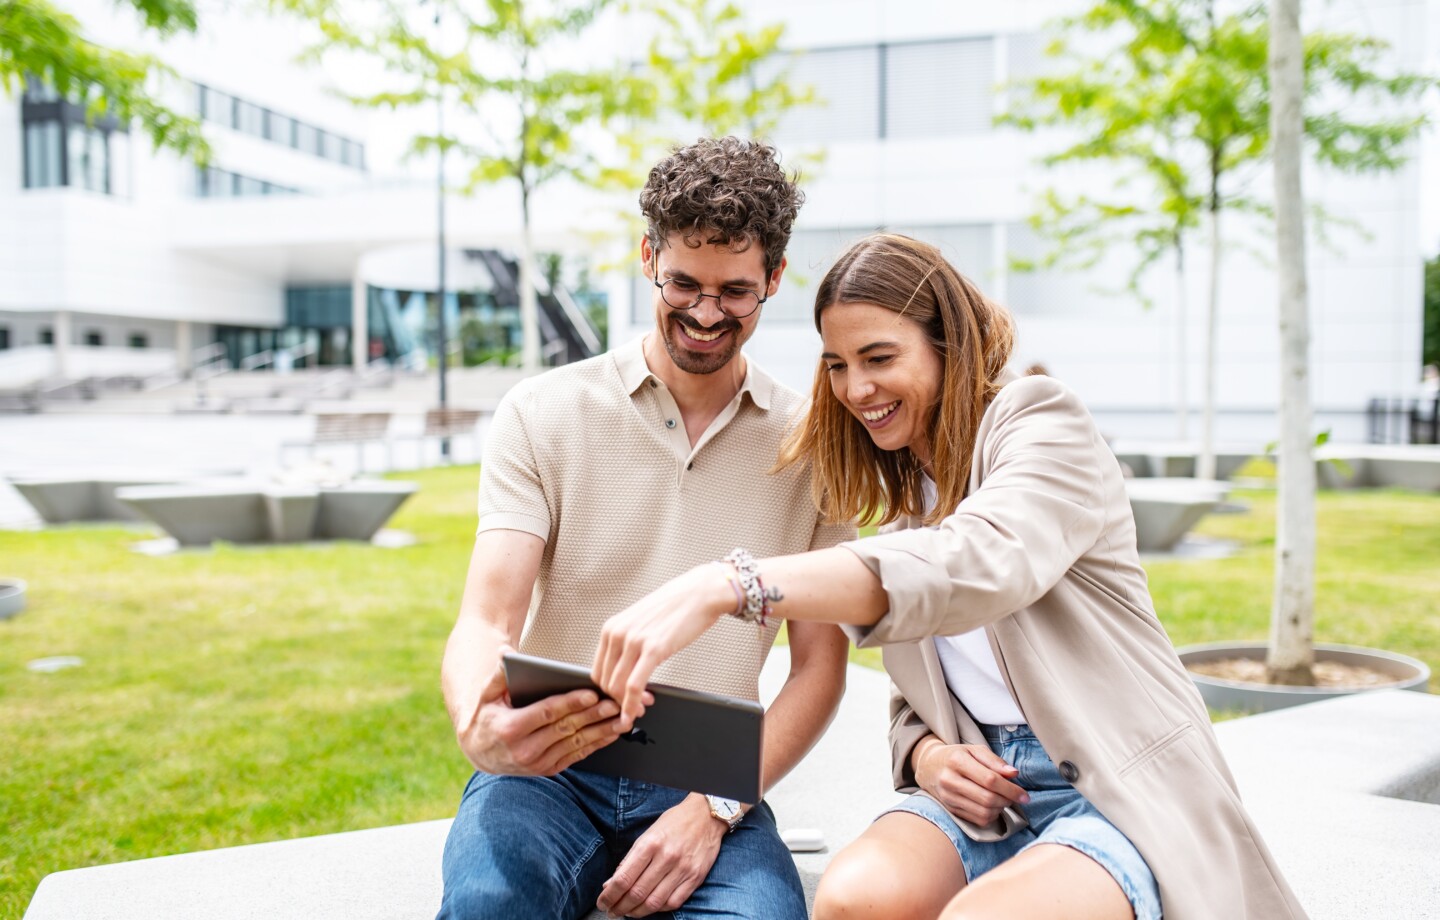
1042,554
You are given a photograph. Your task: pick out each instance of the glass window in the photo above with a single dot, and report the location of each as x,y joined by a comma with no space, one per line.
352,154
42,154
939,89
47,335
249,118
118,146
847,82
39,91
246,186
87,161
217,107
139,340
279,128
330,146
307,139
94,337
4,337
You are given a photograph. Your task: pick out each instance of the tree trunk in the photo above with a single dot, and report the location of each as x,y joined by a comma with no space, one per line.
1182,361
529,303
1205,462
1291,654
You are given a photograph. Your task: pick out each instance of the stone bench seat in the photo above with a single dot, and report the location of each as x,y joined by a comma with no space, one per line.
198,514
89,497
1165,509
1347,793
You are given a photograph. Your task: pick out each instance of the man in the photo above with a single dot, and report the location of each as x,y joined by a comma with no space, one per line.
602,480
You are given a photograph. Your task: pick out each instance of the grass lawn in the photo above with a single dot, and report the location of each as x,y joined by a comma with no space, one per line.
248,694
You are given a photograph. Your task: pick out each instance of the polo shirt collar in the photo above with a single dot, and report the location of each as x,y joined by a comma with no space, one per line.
630,362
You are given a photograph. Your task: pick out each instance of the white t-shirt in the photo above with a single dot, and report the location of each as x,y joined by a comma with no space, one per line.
971,671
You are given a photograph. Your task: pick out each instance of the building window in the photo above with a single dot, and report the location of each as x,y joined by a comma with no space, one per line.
219,183
139,340
4,337
47,335
258,121
94,338
65,146
43,165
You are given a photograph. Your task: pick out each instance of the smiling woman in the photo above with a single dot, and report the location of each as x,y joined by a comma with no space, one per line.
1053,746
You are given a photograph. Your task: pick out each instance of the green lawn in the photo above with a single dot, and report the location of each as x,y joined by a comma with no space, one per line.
249,694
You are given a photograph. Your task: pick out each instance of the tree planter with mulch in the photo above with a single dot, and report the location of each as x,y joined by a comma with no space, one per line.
1219,670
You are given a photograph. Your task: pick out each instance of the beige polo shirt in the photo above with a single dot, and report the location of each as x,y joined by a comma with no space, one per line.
593,458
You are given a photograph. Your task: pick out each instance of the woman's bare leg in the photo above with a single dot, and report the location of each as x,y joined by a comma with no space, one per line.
901,867
1048,881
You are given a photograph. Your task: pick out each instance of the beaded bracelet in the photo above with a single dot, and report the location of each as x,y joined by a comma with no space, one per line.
735,586
757,599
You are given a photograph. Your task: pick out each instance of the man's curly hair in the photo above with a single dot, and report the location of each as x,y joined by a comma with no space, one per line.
725,191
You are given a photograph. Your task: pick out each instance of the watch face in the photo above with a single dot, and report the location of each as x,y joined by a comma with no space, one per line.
725,809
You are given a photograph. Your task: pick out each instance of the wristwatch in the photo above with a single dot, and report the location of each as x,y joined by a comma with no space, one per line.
727,810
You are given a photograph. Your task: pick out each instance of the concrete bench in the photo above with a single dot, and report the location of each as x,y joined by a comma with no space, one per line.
1166,509
88,496
1415,468
1346,792
198,514
393,873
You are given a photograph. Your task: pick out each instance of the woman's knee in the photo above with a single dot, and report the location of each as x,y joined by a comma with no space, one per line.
875,881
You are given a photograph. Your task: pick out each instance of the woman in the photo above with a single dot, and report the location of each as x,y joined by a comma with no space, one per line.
1060,761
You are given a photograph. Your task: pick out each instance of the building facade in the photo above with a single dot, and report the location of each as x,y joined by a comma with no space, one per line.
301,238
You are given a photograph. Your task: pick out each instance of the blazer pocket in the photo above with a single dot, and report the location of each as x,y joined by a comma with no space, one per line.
1155,748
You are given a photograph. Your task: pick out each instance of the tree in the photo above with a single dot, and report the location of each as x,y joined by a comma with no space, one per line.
1291,655
39,41
499,61
1178,91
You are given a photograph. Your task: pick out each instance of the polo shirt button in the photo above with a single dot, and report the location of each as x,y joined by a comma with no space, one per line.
1069,771
669,423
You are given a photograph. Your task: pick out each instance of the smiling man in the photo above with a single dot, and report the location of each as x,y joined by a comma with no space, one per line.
602,480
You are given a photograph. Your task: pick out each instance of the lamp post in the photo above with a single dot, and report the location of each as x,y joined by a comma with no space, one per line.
440,237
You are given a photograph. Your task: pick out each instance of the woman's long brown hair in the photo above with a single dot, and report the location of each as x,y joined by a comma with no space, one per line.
853,479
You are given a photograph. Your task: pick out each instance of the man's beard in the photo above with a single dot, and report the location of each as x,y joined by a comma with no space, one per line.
700,362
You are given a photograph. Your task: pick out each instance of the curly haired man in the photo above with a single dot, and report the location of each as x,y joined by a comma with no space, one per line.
602,480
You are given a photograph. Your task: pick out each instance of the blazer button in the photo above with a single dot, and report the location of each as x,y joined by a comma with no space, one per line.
1069,771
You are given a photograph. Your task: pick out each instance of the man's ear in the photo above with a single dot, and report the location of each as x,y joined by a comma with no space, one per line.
774,284
647,256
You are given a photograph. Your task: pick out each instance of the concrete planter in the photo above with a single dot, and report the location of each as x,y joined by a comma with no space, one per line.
12,597
1407,673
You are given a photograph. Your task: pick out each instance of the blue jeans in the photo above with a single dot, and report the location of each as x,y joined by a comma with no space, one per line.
536,848
1057,814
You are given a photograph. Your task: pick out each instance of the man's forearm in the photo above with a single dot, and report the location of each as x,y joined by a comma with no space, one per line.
471,654
804,707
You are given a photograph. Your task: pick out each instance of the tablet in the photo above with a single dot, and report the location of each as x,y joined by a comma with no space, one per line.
700,742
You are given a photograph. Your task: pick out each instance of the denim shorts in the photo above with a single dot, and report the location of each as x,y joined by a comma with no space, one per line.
1057,814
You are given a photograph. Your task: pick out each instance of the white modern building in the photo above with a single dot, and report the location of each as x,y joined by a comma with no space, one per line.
307,236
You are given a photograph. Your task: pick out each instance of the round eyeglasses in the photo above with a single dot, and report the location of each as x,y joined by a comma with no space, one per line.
684,294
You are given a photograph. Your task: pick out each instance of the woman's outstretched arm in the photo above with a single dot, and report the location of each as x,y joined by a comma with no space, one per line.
827,585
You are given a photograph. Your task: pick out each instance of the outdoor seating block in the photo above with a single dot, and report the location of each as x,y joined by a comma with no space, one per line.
355,511
1137,463
1346,793
393,873
66,501
290,514
1415,468
1166,509
1338,471
198,515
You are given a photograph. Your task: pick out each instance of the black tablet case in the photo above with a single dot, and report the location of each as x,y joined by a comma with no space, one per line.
700,742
